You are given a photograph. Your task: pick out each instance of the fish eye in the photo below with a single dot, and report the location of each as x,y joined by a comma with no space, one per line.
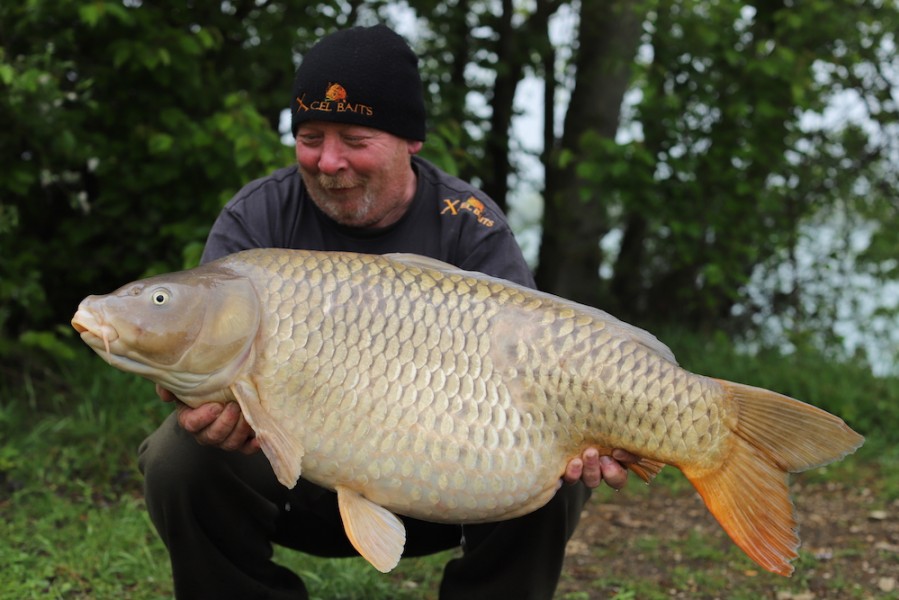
160,296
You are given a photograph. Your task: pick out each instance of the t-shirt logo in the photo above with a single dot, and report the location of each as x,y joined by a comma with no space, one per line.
471,204
334,100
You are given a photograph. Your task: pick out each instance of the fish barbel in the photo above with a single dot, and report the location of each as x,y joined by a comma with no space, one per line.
412,387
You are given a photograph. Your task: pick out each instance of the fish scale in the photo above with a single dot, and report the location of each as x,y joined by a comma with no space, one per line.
390,328
412,387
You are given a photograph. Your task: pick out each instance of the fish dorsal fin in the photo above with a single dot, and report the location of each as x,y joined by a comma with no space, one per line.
284,452
624,329
632,332
426,262
375,532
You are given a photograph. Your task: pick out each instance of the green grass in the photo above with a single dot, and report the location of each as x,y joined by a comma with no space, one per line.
73,524
77,547
72,519
71,513
355,579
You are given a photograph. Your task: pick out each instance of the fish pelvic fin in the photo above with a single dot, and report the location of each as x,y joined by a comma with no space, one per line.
284,452
748,492
375,532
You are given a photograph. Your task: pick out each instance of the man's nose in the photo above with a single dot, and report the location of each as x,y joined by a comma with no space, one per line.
332,158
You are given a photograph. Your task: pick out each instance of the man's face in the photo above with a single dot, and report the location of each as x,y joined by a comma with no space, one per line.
358,176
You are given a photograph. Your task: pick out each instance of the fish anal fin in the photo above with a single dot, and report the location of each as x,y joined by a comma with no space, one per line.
646,469
375,532
284,451
771,435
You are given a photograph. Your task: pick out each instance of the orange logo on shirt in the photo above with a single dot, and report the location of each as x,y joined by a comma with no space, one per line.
472,205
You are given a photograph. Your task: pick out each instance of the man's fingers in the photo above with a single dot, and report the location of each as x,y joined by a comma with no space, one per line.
623,456
237,439
612,471
593,472
593,469
251,446
198,420
573,471
219,425
164,394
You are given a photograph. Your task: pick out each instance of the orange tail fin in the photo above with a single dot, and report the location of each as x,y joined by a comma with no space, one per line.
748,494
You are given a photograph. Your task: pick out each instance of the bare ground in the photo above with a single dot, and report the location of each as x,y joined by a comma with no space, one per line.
663,543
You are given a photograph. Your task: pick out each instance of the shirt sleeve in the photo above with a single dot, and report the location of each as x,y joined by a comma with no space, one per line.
258,216
475,234
499,255
229,234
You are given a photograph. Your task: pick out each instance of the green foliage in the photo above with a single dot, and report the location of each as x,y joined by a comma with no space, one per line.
445,148
81,548
732,158
129,124
128,127
74,524
354,579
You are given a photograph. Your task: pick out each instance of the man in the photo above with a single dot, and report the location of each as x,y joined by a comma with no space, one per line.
359,121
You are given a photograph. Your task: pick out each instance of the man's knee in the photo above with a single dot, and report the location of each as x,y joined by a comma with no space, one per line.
169,453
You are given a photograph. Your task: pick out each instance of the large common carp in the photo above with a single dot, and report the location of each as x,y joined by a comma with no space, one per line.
412,387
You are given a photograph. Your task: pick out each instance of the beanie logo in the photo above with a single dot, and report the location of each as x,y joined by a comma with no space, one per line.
335,92
334,101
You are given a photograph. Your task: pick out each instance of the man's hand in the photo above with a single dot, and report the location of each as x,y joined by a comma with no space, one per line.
214,424
592,469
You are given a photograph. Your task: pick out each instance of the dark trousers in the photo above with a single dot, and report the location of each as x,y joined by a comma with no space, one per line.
219,513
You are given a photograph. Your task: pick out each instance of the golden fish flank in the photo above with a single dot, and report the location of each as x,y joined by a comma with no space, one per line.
411,387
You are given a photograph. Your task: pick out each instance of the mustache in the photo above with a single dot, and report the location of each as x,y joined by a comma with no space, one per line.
332,182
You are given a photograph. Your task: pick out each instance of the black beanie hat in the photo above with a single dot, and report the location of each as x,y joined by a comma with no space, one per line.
362,76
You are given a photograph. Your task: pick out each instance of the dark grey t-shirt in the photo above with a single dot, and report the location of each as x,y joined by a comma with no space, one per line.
448,219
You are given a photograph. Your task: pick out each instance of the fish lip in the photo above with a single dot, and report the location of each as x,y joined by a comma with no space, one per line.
94,331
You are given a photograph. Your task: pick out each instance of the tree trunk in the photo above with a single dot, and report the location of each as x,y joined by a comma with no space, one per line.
513,48
573,225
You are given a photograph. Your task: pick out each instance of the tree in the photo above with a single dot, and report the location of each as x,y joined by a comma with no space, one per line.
728,170
128,125
576,216
685,163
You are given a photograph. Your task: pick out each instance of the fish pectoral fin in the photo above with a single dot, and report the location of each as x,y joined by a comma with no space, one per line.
284,451
375,532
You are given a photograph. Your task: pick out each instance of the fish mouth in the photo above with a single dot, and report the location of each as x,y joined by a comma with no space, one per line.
103,338
94,331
